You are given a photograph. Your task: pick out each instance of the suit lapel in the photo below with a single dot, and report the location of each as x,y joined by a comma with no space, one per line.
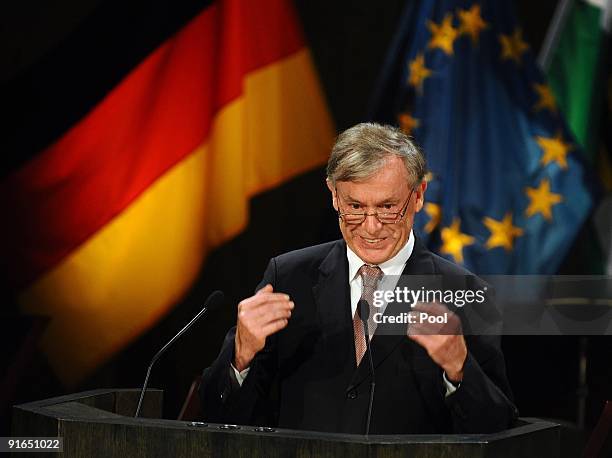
388,336
332,298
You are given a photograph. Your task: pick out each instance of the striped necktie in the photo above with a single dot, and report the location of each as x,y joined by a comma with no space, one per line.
370,276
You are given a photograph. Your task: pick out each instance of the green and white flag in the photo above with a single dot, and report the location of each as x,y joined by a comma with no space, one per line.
574,57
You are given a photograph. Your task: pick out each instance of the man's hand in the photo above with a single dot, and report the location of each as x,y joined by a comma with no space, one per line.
444,341
259,316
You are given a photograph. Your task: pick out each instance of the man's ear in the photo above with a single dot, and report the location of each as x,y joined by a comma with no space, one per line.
332,189
420,195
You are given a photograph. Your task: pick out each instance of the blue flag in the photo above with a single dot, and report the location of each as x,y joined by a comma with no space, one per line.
508,188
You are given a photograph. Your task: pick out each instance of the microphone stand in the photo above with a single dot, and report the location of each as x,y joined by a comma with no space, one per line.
364,313
212,302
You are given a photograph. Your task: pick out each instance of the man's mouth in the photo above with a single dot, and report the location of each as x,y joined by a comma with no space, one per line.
372,241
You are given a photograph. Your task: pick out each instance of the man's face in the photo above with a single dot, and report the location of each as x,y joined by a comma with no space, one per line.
386,191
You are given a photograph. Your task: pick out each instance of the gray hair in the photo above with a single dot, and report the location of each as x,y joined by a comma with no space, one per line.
362,150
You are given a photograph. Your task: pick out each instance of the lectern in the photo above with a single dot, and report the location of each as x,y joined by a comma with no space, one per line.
99,423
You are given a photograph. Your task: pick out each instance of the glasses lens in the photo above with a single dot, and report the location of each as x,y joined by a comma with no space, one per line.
387,218
353,218
358,218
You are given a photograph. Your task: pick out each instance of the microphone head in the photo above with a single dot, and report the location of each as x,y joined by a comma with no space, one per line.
363,309
214,301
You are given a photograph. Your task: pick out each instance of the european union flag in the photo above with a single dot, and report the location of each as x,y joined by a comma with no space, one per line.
508,188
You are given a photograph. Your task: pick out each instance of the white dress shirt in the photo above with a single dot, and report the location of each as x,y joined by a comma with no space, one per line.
391,269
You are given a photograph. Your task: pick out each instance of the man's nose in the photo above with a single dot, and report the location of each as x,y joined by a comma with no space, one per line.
371,223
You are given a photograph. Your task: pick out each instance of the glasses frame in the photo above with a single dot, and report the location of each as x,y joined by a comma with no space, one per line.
398,215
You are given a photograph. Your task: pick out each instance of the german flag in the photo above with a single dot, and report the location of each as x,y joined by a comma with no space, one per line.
113,205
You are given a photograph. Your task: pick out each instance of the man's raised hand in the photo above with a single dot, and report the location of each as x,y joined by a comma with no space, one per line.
259,316
443,340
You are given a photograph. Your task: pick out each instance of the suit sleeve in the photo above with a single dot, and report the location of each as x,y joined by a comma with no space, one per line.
483,402
253,403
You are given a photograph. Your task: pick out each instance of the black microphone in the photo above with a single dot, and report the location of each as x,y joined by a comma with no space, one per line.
212,302
363,309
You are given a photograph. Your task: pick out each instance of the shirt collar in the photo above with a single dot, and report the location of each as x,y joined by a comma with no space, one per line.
393,266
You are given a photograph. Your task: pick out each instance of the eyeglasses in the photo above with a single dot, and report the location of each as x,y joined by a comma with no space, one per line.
383,217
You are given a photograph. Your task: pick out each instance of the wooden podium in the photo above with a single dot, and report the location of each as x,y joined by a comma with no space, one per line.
99,423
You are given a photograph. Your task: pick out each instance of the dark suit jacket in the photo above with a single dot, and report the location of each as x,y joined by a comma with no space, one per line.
306,376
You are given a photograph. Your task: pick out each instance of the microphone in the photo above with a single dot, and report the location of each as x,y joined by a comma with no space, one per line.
212,302
363,309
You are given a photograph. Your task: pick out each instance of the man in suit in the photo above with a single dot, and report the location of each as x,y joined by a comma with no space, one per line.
297,358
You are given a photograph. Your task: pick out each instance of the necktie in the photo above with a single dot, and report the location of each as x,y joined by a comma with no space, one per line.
370,276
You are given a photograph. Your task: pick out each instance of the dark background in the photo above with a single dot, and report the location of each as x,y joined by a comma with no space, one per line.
348,41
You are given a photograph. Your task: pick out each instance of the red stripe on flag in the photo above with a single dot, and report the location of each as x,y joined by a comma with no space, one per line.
155,117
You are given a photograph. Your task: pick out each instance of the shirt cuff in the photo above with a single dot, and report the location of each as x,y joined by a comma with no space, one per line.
239,376
450,386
